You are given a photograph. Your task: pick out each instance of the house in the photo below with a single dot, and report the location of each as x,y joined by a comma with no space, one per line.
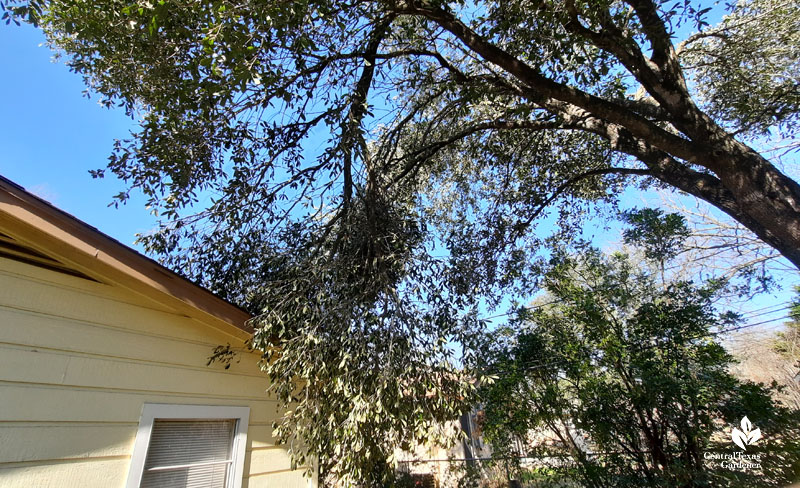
103,375
441,466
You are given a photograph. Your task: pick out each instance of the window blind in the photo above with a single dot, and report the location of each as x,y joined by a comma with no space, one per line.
189,454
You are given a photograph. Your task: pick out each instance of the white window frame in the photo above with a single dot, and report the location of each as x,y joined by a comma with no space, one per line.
153,411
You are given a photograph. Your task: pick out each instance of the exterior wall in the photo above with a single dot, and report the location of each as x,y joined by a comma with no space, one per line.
445,463
78,359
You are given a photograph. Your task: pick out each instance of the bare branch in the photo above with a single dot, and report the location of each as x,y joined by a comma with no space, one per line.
575,179
425,152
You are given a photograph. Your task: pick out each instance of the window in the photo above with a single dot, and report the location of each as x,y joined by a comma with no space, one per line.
189,446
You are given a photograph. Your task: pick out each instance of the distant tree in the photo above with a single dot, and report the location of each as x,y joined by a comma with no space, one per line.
786,368
703,248
624,372
758,360
659,235
718,247
788,342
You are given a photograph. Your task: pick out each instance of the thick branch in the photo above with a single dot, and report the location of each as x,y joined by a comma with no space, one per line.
661,76
656,32
612,40
351,132
551,94
645,107
706,187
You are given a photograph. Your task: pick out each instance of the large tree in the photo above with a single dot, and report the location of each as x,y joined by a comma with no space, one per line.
403,87
310,157
623,375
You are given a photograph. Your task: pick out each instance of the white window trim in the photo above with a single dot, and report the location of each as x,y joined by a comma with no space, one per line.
153,411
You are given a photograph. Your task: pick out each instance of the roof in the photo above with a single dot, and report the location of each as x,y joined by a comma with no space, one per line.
47,232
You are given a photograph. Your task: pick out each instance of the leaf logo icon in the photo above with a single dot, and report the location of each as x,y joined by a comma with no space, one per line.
739,438
747,436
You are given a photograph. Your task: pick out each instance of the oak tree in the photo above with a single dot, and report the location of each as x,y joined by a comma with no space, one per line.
309,158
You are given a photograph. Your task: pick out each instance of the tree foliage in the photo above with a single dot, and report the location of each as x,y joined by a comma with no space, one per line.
746,68
624,373
788,340
660,236
358,342
577,95
360,173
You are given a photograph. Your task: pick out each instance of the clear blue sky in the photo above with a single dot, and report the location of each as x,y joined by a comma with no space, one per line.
51,136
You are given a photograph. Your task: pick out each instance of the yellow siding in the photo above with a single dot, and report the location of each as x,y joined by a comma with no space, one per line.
79,359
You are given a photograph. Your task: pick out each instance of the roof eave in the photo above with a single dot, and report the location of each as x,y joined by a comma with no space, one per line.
43,225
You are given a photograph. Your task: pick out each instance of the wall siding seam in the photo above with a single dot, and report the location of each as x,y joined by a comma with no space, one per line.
101,325
170,309
65,423
52,282
277,471
164,393
122,359
264,448
50,462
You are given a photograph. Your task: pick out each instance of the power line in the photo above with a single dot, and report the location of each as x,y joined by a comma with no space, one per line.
749,314
752,313
733,329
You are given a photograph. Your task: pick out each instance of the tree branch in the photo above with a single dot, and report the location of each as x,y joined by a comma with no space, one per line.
704,186
429,150
612,40
575,179
553,95
656,33
351,132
